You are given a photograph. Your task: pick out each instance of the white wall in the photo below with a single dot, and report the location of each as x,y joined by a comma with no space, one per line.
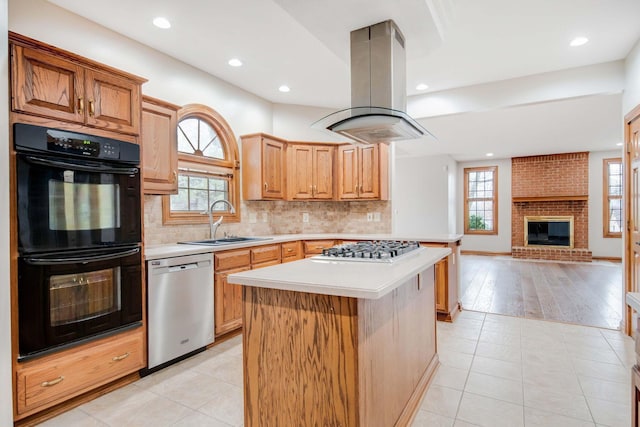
168,78
501,242
421,195
600,246
293,122
6,406
631,95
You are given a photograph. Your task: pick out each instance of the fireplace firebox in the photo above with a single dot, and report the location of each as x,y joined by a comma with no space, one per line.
548,231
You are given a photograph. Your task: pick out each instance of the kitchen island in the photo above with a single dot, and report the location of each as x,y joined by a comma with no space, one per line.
338,343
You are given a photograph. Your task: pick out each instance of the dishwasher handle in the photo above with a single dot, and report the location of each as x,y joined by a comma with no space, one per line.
183,267
180,267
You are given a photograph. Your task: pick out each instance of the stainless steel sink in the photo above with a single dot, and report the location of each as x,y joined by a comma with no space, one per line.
225,241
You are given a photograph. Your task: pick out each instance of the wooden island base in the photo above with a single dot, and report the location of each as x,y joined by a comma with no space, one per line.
312,359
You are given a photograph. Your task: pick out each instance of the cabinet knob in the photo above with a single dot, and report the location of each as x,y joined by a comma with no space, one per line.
92,108
121,357
52,382
80,105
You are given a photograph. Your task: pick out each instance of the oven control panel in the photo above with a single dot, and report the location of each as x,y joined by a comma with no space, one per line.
83,147
32,138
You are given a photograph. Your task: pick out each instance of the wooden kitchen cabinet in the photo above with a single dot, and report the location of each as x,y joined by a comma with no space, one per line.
47,381
291,251
267,254
441,285
263,167
159,146
309,171
228,297
52,83
315,247
446,281
363,172
228,302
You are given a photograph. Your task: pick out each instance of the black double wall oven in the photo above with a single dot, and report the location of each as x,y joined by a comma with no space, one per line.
79,236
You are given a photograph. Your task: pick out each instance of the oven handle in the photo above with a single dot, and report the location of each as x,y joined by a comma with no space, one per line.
80,167
84,260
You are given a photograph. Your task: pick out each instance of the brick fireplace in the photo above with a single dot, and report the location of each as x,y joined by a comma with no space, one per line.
547,186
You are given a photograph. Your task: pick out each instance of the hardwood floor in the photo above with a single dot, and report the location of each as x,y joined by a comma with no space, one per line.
581,293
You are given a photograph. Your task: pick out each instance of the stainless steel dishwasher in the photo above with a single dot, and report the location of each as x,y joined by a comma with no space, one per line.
180,306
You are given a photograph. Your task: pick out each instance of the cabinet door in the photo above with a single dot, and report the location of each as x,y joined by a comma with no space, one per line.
113,102
45,85
369,172
228,302
300,172
323,172
348,176
273,164
441,286
159,147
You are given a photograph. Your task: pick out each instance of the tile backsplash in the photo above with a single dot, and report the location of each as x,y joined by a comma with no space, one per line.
274,217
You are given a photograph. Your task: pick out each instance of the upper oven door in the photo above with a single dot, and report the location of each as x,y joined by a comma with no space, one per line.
66,204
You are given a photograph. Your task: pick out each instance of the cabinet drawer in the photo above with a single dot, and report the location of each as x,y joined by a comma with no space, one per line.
434,245
232,259
266,253
316,246
265,264
291,250
47,383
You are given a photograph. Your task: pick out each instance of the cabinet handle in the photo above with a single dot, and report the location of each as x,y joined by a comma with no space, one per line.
80,105
121,357
289,250
319,247
92,108
175,176
266,186
52,382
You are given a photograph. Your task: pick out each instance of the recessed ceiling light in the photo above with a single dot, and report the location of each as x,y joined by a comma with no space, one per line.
284,88
578,41
161,22
422,86
489,154
235,62
619,144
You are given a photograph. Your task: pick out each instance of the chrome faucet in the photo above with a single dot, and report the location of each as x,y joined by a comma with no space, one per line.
213,226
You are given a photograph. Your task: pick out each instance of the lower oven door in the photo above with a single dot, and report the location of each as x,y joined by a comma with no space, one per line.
65,298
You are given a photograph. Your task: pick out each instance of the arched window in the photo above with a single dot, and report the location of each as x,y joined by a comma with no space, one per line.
208,168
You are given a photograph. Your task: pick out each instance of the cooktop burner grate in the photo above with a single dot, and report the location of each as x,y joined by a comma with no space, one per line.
371,251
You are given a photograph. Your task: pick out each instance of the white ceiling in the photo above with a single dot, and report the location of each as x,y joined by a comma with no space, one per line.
305,43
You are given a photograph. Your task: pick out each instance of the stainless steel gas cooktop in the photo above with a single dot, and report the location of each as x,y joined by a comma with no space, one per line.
370,251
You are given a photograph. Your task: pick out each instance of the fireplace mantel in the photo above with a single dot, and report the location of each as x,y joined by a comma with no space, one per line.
550,198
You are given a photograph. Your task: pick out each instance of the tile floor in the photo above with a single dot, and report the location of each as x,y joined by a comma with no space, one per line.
495,371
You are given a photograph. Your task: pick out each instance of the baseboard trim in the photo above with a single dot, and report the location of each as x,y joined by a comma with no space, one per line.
484,253
607,258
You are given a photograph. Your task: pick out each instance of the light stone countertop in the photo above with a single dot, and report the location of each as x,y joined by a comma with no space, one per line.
633,300
368,280
174,250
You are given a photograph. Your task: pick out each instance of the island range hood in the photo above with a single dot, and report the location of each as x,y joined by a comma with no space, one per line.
378,90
